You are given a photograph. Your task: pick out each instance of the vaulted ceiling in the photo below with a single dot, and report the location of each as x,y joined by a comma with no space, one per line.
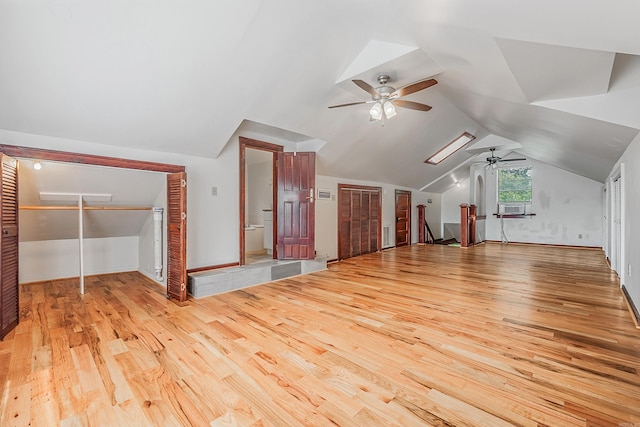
555,81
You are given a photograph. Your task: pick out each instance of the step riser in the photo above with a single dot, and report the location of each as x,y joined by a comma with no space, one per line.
214,282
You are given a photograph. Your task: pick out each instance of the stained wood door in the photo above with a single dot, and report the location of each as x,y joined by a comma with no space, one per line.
359,210
296,208
9,309
403,217
177,235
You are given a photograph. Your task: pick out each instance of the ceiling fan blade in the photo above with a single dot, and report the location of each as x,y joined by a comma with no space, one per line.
512,160
346,105
412,105
367,87
415,87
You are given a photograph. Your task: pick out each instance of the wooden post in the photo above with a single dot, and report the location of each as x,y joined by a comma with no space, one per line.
421,224
467,225
464,225
472,225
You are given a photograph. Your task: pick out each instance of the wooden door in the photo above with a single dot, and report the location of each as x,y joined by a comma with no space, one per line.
9,308
177,235
403,218
296,208
359,210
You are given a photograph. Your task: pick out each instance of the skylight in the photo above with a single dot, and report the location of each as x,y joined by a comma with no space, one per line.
450,148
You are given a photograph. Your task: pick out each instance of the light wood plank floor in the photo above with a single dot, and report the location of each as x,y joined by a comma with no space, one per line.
494,335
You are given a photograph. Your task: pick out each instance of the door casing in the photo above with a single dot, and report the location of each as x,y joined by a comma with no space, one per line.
403,217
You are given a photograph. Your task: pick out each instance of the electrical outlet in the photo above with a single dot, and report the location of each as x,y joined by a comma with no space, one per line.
214,191
579,236
629,270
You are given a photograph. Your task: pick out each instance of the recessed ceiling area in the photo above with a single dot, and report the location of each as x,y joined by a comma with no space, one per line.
128,189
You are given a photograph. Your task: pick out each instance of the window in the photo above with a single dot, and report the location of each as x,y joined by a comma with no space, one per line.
514,185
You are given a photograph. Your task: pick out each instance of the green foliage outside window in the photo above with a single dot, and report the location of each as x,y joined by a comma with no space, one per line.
514,185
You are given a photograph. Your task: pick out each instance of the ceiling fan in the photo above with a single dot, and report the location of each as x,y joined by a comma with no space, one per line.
493,160
385,98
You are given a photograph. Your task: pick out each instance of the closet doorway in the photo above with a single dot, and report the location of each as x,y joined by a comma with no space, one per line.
176,203
359,225
258,200
403,218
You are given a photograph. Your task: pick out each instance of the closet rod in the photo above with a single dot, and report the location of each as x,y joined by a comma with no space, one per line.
86,208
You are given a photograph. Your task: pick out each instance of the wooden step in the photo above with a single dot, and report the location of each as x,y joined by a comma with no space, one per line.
212,282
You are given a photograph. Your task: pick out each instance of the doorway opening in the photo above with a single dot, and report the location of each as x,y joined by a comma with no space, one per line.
403,218
176,203
258,200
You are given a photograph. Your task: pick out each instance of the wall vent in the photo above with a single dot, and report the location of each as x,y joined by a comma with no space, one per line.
324,194
385,236
511,209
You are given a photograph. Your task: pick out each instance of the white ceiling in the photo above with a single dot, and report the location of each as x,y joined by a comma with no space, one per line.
559,81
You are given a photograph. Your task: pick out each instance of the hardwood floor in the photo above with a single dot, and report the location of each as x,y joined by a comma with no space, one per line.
494,335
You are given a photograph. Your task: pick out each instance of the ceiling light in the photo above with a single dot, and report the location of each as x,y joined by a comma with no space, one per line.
37,165
376,111
457,183
389,109
450,148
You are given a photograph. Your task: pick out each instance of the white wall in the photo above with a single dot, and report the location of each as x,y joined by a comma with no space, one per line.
259,191
451,201
327,213
568,208
630,276
60,258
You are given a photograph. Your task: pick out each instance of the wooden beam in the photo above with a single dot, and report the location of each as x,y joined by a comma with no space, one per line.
88,159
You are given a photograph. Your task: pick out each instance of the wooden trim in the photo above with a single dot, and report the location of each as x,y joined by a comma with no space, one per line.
264,146
90,159
260,145
212,267
359,187
635,314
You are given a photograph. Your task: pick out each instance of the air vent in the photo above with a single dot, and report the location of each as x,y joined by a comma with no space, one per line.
385,236
512,209
324,194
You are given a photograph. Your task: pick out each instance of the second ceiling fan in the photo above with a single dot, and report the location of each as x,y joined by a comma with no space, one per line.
493,160
385,98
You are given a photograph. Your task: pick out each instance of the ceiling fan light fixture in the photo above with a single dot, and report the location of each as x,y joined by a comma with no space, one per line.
450,148
376,111
389,109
